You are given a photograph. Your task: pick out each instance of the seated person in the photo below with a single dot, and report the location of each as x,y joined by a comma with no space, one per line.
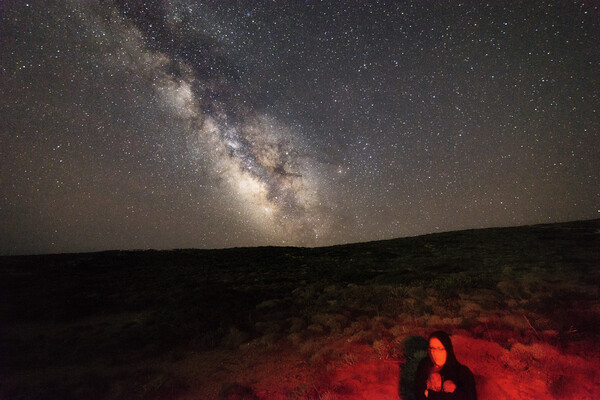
440,375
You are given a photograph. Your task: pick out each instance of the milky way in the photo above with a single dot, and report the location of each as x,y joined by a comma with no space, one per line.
175,124
258,159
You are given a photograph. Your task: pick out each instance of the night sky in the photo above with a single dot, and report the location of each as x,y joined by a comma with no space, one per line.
210,124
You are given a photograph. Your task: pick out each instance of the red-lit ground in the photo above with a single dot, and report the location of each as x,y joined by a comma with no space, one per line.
355,371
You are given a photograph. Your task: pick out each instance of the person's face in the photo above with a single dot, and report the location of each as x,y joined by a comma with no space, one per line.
437,352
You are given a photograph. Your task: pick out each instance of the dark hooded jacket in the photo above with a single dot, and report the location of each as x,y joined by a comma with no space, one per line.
452,370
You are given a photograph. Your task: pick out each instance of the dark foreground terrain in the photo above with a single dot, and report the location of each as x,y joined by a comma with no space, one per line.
342,322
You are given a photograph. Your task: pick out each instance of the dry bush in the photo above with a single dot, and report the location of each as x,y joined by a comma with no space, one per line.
236,391
510,288
379,299
447,308
295,338
417,292
296,324
268,304
335,322
438,322
417,308
234,338
207,340
470,309
495,329
398,330
511,303
309,347
381,348
388,349
267,328
516,322
303,392
325,355
522,357
349,358
361,324
315,329
332,290
328,395
306,293
268,340
380,323
363,337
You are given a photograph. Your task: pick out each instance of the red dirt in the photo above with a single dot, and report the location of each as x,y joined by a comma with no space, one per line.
523,372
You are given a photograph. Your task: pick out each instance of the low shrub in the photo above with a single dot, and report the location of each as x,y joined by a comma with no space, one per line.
335,322
234,338
296,324
237,391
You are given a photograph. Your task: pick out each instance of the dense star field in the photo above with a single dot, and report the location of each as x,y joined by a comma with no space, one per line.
208,124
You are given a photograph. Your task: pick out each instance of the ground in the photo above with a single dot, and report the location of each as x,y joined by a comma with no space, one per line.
343,322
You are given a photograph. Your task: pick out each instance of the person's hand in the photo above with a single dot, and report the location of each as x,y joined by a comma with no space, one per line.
449,386
434,382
